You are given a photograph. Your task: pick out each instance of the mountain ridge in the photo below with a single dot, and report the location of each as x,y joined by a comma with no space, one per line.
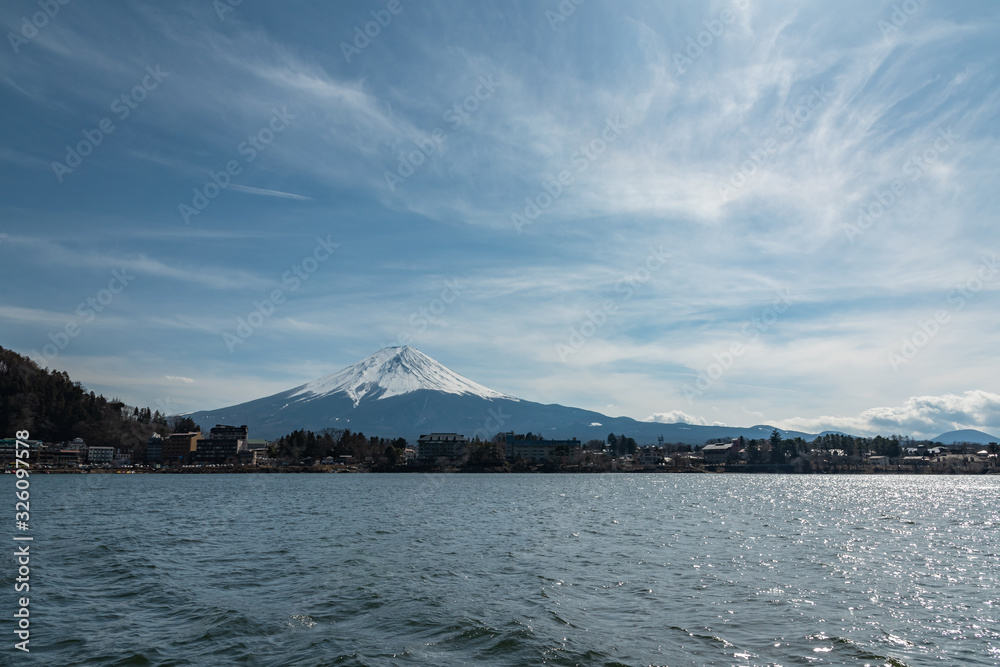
966,435
394,371
400,391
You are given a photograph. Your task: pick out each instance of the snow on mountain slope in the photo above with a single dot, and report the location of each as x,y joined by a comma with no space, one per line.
393,371
425,397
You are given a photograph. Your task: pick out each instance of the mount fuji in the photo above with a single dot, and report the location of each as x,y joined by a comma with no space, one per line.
394,371
399,391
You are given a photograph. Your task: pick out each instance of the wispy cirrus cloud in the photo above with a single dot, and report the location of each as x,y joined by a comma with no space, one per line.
882,102
207,276
267,193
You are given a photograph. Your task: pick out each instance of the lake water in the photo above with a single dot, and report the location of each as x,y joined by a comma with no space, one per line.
453,569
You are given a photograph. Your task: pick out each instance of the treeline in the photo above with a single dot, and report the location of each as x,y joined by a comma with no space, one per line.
300,445
377,453
53,408
622,445
782,450
618,445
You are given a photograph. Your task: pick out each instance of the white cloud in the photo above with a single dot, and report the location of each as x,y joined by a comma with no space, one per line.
180,378
678,417
925,416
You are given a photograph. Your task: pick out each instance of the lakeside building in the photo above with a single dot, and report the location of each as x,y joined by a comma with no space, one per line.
433,446
179,447
259,445
915,461
223,432
215,450
8,449
154,449
651,456
539,450
223,445
720,452
58,455
100,455
879,461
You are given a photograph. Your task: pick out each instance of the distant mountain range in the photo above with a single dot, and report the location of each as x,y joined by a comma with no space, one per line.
966,435
394,392
399,391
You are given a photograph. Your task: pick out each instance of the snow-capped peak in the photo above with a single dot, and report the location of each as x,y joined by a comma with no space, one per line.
393,371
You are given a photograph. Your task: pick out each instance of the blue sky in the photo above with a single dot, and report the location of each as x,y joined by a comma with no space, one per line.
737,212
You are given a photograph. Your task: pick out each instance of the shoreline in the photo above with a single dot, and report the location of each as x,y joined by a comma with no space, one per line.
320,470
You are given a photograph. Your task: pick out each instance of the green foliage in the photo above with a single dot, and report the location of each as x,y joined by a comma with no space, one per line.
485,454
53,408
755,452
183,425
621,445
301,444
783,451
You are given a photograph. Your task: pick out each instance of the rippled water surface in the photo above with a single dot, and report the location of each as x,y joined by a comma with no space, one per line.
512,570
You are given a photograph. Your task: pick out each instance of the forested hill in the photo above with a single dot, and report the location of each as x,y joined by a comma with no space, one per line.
53,408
